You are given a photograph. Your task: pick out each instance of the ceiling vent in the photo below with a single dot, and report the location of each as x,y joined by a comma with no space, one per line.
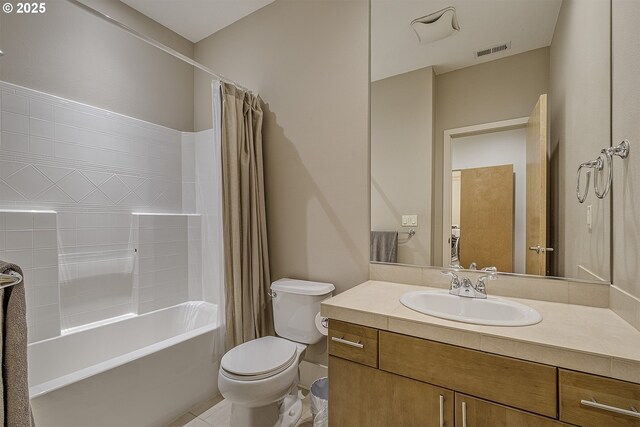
493,49
436,26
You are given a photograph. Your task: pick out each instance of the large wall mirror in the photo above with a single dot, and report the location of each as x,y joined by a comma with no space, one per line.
481,113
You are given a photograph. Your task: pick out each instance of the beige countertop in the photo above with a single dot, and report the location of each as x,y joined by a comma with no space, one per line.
582,338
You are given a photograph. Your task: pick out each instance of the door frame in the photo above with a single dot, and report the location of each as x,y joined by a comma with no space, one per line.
449,136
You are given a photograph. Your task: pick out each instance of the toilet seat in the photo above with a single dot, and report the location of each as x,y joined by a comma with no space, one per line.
258,359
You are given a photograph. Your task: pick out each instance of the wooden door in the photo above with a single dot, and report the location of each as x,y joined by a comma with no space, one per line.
486,217
537,159
361,396
473,412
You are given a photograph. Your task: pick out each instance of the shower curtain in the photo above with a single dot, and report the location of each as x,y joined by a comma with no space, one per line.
248,312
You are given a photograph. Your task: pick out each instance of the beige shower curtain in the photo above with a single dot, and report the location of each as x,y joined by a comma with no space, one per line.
248,307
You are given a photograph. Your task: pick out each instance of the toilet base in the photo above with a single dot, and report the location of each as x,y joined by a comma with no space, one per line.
285,413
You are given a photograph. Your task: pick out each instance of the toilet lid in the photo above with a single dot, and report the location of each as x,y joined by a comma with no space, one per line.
259,357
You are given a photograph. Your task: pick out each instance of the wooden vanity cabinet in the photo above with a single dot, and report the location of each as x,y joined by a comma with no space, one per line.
385,379
361,396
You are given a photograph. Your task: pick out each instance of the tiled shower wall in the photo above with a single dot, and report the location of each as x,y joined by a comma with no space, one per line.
29,240
162,271
94,168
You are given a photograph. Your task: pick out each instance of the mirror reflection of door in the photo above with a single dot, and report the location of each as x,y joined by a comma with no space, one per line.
482,148
537,160
486,217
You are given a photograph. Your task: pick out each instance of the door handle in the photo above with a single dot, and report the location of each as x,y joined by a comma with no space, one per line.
539,249
464,414
441,411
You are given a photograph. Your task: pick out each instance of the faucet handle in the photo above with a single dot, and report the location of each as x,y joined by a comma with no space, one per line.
455,281
481,286
490,269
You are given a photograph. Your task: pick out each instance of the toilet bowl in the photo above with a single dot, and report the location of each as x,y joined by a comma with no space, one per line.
260,377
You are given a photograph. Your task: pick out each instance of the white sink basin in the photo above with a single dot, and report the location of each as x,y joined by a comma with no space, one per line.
491,311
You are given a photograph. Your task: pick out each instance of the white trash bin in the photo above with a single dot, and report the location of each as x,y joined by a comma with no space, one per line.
320,402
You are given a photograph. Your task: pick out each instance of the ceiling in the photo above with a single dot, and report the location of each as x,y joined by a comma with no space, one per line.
528,24
196,19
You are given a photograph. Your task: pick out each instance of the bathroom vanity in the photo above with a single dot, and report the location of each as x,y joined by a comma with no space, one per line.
390,366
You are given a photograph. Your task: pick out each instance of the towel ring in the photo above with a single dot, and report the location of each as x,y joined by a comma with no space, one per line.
588,165
606,155
609,179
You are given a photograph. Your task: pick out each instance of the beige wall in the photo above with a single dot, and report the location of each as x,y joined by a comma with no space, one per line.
70,53
309,61
626,184
498,90
401,150
580,113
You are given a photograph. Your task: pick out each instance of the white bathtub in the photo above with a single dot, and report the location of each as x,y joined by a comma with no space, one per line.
141,371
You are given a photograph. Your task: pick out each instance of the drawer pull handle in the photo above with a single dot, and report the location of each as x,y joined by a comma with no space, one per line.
593,404
347,342
441,411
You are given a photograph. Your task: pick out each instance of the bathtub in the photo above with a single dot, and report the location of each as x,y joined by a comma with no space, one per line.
141,371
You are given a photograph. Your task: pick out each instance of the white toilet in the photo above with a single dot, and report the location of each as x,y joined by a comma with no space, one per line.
260,377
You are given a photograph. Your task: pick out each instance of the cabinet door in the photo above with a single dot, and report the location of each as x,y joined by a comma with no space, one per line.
473,412
360,396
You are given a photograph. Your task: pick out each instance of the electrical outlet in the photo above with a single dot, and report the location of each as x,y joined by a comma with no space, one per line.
409,220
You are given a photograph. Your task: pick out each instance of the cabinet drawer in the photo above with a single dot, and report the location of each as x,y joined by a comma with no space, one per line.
472,412
524,385
353,342
579,391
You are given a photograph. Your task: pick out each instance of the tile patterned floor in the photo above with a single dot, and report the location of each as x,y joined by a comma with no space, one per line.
216,412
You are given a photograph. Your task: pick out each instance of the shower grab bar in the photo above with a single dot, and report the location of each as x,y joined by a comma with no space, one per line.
606,156
11,279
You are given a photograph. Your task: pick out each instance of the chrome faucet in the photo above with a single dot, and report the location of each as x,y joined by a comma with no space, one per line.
465,288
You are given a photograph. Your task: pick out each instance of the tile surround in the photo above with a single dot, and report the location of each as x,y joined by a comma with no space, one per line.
29,240
162,273
95,167
58,151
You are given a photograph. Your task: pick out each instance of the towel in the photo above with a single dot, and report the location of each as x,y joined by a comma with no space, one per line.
15,410
384,246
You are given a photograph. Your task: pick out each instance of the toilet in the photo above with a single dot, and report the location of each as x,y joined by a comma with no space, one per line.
260,377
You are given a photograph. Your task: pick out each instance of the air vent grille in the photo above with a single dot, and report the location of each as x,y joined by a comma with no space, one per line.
494,49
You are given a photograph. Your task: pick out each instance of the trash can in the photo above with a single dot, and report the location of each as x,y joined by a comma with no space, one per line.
320,402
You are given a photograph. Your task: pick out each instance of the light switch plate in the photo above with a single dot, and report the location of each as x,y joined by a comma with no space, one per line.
409,220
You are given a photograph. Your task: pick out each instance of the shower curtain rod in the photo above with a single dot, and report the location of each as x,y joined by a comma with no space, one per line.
154,43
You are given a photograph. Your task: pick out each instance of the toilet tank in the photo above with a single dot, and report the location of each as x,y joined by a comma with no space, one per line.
295,306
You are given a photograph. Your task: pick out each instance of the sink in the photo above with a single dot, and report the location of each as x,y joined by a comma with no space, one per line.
490,311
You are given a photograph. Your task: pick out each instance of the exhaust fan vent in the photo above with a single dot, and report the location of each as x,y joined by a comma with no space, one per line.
436,26
491,50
